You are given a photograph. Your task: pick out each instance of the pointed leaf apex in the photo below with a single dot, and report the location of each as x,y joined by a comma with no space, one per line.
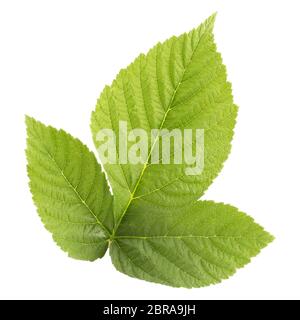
210,22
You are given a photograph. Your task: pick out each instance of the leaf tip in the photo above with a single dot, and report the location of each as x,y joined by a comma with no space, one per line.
213,16
264,239
269,238
28,119
210,21
30,122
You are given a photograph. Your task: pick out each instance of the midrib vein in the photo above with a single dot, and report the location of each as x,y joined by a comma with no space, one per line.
132,195
184,237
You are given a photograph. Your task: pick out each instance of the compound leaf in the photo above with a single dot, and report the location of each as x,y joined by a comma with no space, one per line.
156,228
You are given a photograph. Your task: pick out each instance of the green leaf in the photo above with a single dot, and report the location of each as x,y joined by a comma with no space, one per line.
180,83
198,247
154,225
69,190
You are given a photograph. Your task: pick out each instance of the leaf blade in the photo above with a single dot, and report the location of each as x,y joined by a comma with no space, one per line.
69,190
201,246
180,83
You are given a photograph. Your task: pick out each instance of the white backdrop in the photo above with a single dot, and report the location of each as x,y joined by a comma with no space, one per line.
55,58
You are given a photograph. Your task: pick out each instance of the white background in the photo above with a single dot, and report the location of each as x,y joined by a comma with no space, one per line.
55,58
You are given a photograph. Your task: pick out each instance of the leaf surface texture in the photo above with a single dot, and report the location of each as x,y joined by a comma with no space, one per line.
154,225
179,84
69,190
203,245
